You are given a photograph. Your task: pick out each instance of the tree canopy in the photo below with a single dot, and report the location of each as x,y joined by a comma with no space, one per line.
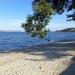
43,10
59,6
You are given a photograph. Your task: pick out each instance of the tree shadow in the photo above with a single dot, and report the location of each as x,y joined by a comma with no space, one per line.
71,69
49,51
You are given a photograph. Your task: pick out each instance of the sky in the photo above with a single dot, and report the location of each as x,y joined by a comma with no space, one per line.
14,12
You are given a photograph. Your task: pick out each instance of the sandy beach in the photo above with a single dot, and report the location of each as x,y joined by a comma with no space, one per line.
50,59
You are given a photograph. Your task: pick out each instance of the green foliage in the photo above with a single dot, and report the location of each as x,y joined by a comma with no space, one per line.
36,23
42,7
28,26
59,6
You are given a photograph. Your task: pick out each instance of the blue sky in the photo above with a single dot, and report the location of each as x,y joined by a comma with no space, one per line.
14,12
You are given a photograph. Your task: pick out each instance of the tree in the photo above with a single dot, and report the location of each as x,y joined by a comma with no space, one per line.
35,24
59,6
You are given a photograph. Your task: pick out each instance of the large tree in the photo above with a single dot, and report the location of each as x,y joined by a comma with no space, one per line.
35,24
59,6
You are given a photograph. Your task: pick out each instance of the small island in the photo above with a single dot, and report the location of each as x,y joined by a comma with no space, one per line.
67,30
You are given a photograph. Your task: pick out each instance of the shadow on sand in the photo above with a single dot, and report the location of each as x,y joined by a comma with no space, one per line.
50,51
71,69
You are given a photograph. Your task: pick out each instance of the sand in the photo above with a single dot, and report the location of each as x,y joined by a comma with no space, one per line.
36,61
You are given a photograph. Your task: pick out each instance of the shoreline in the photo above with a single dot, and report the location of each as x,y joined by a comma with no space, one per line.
56,44
35,45
39,60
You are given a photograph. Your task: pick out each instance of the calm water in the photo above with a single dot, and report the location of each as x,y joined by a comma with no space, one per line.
18,40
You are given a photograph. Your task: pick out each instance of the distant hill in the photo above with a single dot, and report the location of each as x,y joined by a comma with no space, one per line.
67,30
